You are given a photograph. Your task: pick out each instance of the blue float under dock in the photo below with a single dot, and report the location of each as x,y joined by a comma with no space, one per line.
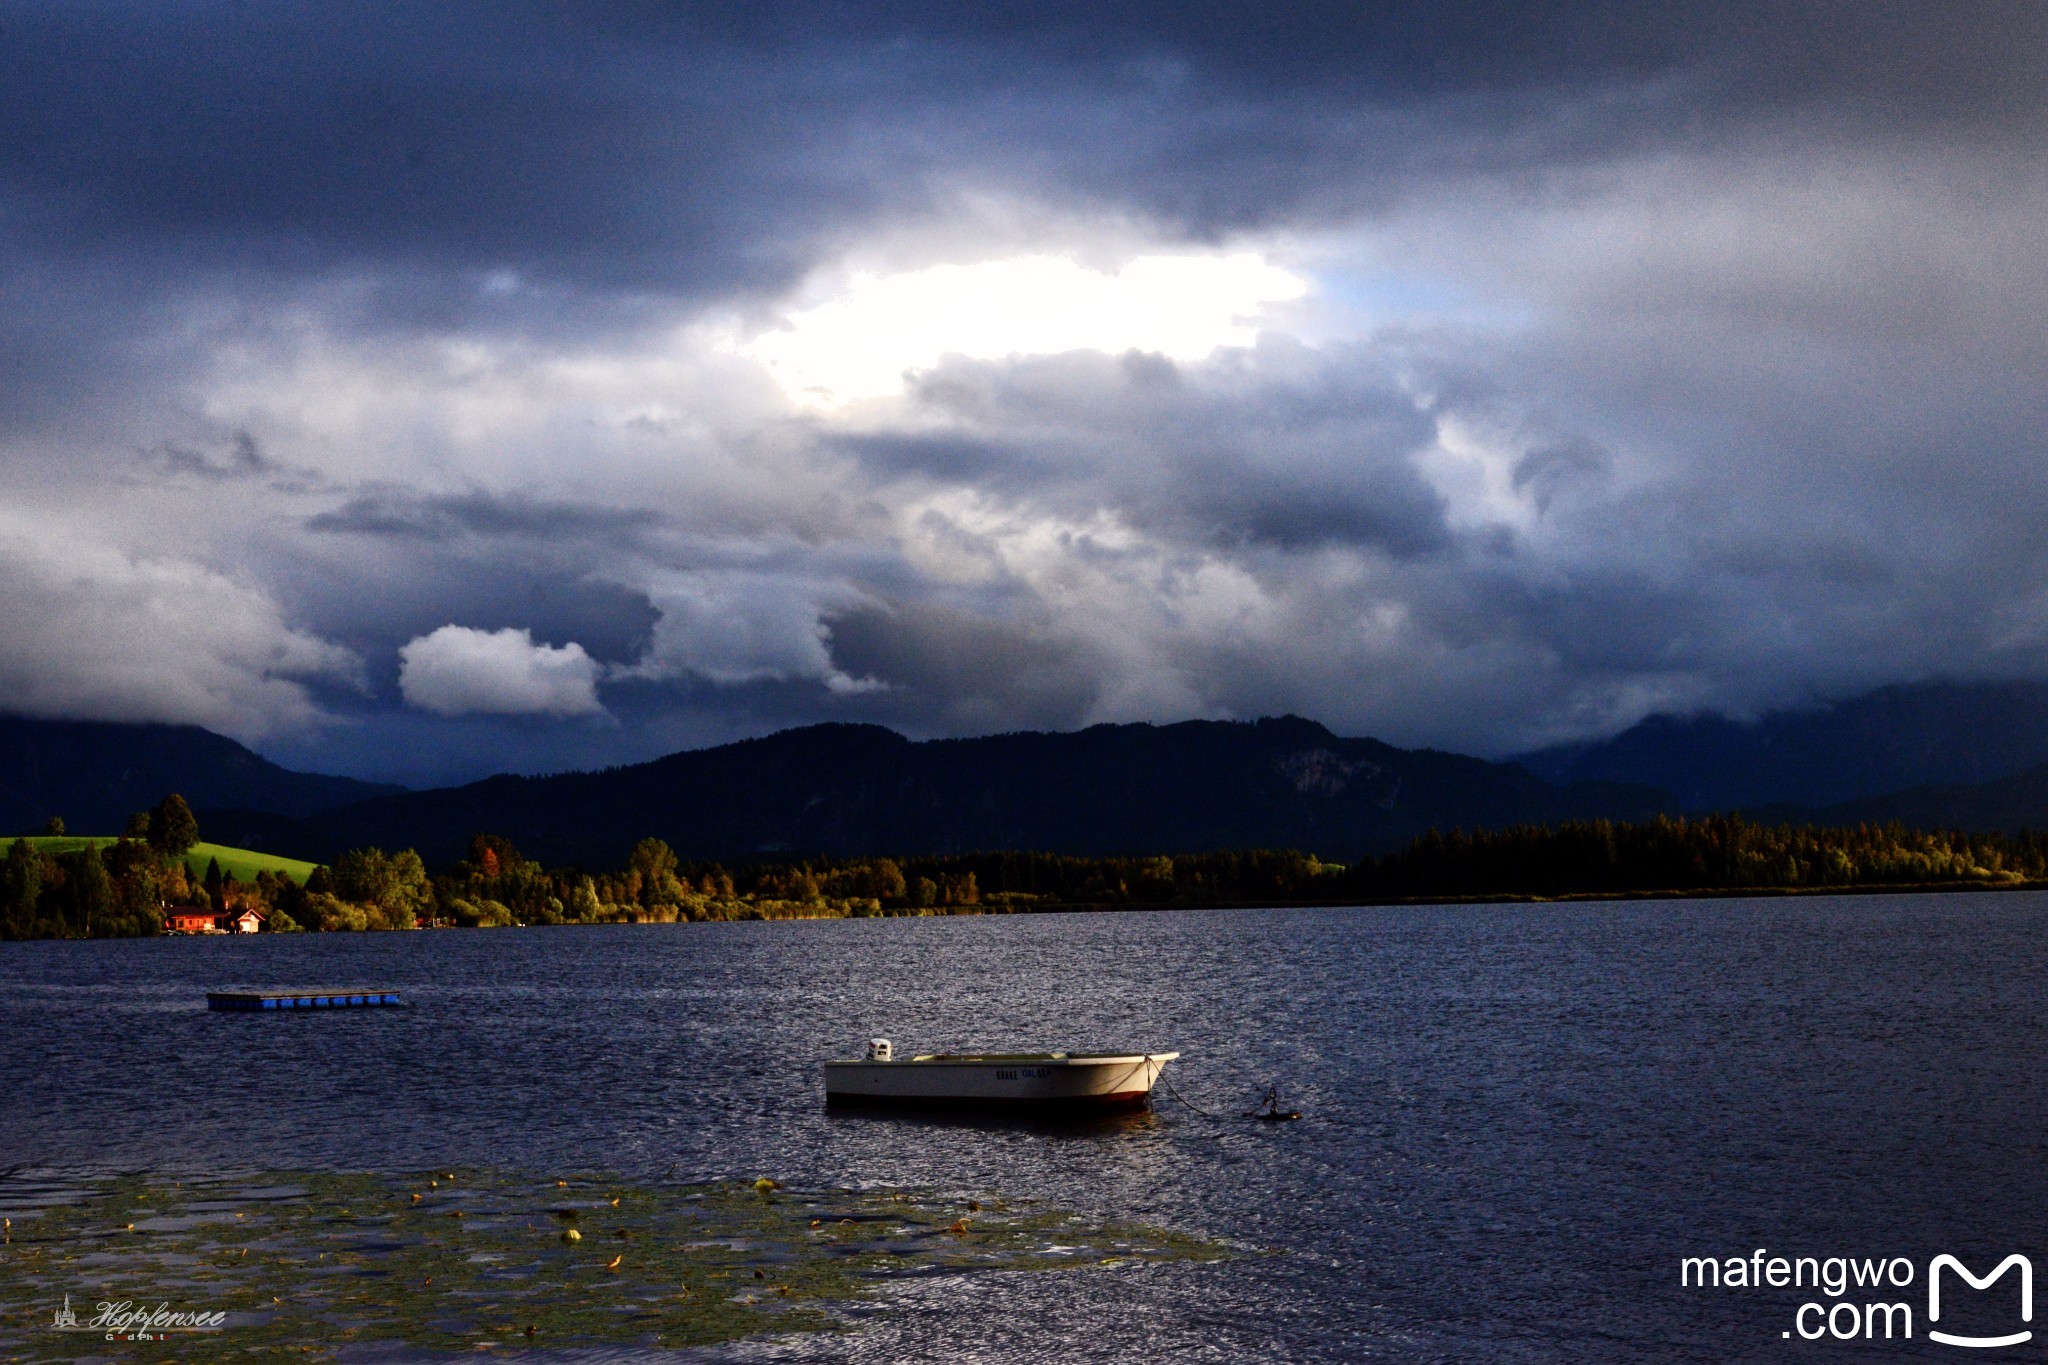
324,998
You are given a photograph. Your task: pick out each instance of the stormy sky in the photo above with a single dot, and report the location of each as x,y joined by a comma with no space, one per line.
423,391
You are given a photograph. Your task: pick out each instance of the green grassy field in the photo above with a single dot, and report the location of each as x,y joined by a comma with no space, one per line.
242,863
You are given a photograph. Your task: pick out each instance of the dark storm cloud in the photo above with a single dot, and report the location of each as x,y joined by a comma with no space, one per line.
1890,58
402,596
409,515
458,135
953,672
945,457
708,147
1319,453
240,457
1549,468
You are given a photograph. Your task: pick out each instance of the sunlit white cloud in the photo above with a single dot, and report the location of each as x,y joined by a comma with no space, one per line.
862,342
459,671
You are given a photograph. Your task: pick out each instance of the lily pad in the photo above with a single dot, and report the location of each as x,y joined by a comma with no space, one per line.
319,1260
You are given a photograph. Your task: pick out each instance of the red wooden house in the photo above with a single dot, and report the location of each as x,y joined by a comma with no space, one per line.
204,919
192,919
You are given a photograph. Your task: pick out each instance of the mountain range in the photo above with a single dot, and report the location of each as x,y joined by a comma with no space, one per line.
1968,755
1895,738
842,789
93,774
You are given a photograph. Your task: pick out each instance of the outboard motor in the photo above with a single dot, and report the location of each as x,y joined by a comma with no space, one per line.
879,1050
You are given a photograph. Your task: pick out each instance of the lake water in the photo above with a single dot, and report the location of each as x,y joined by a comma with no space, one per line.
1518,1118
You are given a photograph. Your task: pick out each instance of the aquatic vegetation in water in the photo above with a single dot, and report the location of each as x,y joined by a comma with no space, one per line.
310,1262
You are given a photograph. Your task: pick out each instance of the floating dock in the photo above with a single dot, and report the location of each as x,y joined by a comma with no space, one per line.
322,998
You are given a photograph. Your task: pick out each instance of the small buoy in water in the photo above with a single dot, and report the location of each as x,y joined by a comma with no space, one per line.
615,1203
764,1185
615,1262
572,1236
415,1199
959,1229
1272,1112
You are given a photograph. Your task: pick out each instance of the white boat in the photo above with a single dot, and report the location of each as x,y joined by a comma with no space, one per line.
1026,1081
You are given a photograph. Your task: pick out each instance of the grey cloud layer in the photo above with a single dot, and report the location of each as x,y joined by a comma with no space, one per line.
340,330
716,147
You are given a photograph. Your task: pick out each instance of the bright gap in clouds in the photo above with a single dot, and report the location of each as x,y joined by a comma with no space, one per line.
860,344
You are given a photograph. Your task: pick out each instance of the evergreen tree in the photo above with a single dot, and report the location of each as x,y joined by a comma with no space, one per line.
21,885
93,894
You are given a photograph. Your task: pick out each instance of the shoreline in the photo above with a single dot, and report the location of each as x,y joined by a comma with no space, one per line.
1535,898
783,911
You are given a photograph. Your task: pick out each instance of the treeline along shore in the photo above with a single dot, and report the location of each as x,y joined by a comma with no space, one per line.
144,881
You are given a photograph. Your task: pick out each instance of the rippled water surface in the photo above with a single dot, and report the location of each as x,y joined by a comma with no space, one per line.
1518,1119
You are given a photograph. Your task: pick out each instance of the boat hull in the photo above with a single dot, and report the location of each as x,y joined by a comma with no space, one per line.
1017,1084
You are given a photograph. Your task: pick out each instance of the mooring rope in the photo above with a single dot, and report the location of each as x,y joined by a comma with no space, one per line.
1185,1100
1266,1108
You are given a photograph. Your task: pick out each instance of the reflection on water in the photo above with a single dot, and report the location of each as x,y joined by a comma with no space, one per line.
1517,1119
914,1123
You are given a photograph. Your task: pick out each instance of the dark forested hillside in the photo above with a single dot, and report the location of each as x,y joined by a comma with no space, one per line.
853,789
1884,741
2009,804
92,774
